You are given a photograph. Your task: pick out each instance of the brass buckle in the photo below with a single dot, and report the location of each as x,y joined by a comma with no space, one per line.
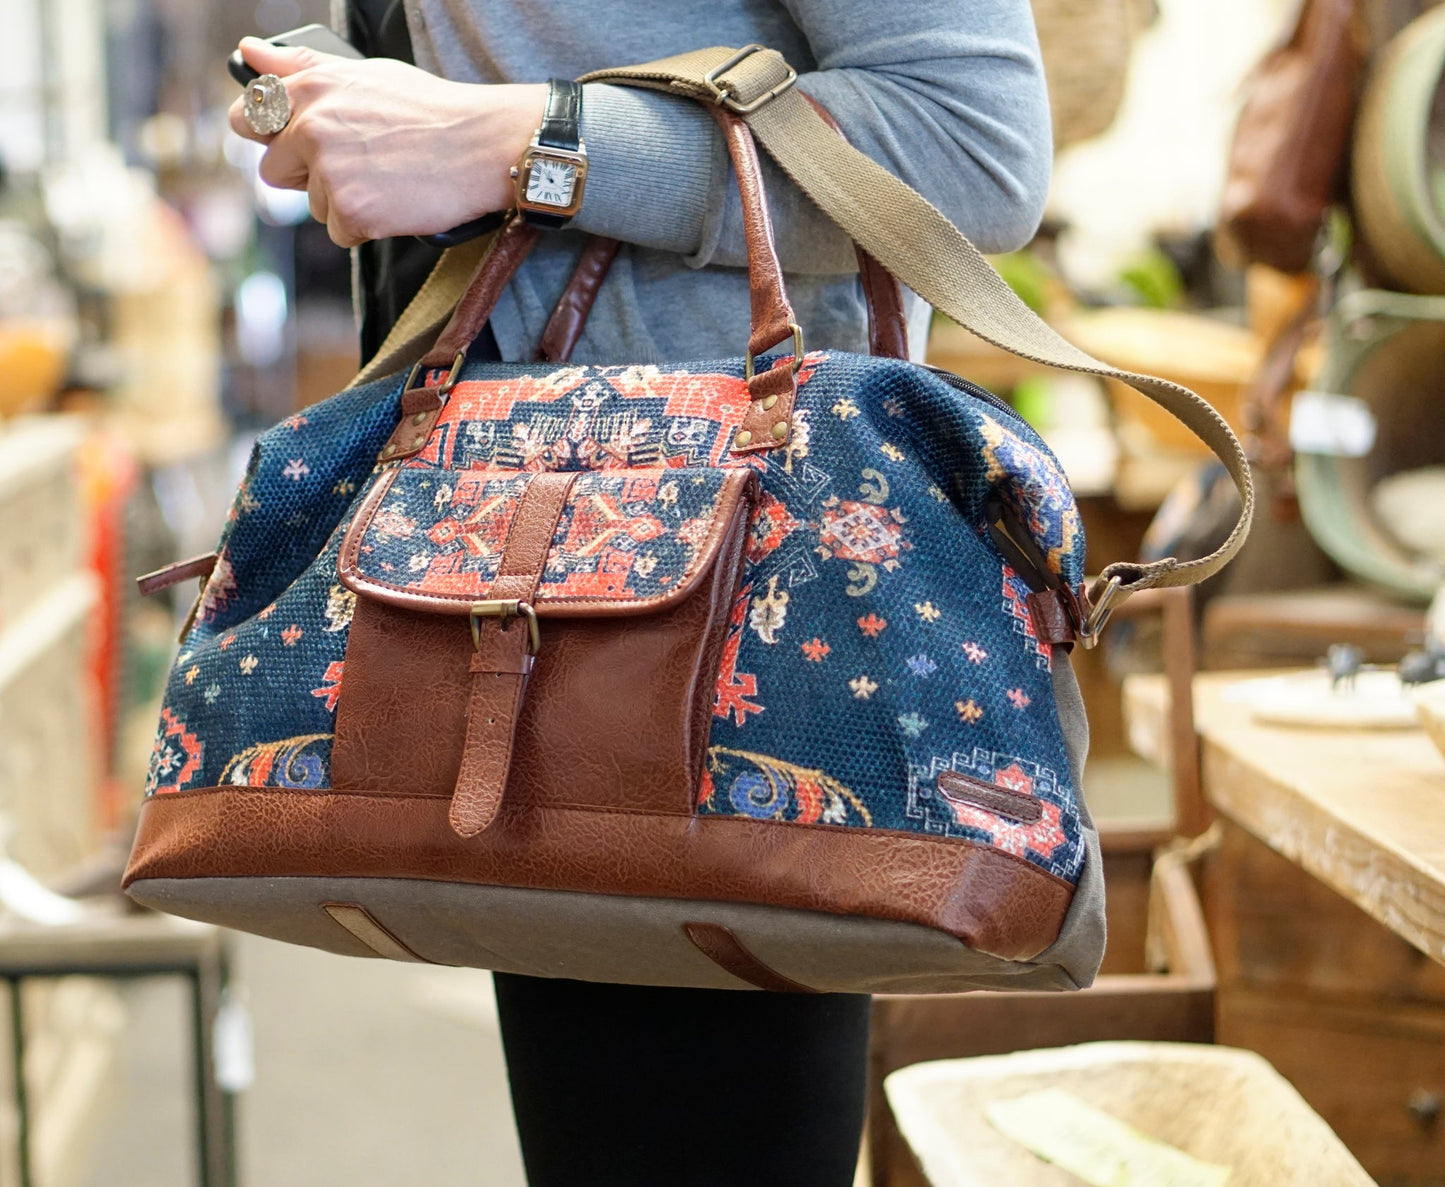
748,365
722,93
506,609
448,383
1102,604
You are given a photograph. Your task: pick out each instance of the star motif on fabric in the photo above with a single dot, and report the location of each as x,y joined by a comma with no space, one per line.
815,650
846,410
248,664
968,711
267,612
872,625
862,687
296,469
937,492
891,452
1018,698
893,407
974,652
211,693
191,673
912,724
344,486
227,641
927,611
291,634
921,665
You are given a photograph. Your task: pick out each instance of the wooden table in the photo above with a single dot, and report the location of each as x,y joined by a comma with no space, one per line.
1363,811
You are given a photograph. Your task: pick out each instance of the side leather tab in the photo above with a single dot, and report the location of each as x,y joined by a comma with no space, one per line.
721,946
174,574
503,659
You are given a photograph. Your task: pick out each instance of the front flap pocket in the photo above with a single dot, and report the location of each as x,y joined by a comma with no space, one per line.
507,549
625,541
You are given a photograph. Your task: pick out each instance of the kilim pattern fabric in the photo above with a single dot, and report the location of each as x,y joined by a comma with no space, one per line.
878,639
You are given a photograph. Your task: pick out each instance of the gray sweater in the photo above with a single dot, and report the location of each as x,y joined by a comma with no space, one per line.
947,94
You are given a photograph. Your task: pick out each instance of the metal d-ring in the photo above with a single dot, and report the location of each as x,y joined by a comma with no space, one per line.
506,609
448,383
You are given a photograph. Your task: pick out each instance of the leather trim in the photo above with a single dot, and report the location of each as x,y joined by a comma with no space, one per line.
363,925
1051,616
738,485
887,323
1001,801
772,314
720,945
502,661
990,900
508,251
570,314
174,574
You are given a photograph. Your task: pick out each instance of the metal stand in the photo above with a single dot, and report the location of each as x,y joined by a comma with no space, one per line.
129,948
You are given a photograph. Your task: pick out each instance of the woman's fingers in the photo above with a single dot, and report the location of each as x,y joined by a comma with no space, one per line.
280,60
316,196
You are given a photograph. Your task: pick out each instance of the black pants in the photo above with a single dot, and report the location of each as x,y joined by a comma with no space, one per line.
639,1087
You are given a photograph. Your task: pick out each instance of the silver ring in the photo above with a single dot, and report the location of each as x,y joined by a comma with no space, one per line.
266,106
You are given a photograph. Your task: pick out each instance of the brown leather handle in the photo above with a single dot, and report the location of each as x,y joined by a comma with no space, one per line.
772,313
498,267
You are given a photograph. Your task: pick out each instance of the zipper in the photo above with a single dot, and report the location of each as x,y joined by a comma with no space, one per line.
969,388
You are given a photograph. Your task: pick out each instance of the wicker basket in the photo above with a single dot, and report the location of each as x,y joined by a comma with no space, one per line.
1086,46
1217,1104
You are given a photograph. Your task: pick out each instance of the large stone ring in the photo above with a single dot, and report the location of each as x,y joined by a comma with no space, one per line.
267,107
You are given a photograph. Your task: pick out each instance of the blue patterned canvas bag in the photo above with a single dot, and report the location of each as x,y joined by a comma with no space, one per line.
731,673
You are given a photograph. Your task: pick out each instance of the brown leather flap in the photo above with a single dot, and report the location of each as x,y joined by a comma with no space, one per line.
626,542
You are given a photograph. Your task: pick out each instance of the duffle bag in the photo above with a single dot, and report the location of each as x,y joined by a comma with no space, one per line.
739,673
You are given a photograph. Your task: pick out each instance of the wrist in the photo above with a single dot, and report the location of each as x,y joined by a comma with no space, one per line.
504,127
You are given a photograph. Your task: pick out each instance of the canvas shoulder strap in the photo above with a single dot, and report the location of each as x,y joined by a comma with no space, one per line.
915,241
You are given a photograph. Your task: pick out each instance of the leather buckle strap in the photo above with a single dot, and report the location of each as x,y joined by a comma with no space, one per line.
732,94
502,658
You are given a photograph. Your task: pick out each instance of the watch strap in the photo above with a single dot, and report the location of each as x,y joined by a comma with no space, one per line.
562,117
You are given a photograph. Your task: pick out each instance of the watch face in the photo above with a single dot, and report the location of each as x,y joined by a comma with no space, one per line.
550,183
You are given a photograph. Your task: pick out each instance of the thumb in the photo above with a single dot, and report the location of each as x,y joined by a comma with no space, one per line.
279,60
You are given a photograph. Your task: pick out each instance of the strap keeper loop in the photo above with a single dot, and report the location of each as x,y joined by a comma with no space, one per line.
724,93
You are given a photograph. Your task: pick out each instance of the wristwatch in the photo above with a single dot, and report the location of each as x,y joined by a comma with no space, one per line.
552,173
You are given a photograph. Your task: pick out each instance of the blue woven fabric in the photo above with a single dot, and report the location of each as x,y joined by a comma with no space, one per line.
878,639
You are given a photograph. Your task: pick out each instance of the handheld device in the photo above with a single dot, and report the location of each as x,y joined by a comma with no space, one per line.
324,41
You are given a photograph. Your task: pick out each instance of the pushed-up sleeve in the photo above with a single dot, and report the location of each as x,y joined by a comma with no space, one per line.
949,96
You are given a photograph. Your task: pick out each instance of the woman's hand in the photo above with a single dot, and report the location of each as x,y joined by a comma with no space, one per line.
383,148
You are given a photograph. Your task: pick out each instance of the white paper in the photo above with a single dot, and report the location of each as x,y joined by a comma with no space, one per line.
1330,424
1097,1147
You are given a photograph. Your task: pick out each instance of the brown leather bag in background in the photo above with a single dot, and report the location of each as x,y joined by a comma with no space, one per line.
1285,164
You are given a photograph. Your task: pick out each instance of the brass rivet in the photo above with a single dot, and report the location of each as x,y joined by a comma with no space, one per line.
389,450
420,418
780,430
417,442
743,439
769,402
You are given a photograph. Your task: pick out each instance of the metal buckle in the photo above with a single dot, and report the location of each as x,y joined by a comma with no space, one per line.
506,610
448,383
748,367
722,93
1101,608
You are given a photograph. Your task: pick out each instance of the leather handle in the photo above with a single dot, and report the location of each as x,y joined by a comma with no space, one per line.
574,306
772,313
514,242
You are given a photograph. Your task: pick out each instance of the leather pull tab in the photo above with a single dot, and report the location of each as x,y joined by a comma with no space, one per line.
500,667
